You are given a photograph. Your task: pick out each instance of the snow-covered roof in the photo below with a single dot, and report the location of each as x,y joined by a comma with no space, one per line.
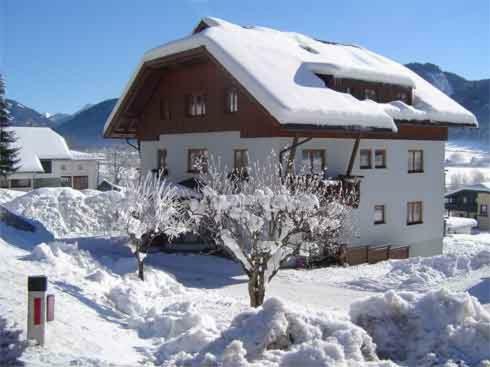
38,143
481,187
82,156
278,69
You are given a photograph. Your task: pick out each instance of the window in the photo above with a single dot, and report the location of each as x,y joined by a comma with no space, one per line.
415,161
232,100
483,210
380,158
63,167
47,165
164,109
20,183
241,160
66,181
161,159
365,158
370,94
414,212
197,160
4,183
80,182
314,160
379,214
196,105
402,96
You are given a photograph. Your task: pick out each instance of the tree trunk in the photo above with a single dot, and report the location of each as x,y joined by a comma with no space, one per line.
256,288
141,273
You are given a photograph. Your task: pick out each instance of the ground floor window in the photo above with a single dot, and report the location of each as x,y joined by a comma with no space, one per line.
197,160
241,160
414,212
20,183
365,158
66,181
4,183
80,182
484,210
314,160
379,214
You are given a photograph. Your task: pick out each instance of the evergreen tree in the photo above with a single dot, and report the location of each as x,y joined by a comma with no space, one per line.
8,153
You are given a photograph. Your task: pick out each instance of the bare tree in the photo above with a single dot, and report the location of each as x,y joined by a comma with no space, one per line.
119,162
151,208
265,219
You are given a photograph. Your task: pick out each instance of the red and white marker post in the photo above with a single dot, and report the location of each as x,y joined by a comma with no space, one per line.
39,308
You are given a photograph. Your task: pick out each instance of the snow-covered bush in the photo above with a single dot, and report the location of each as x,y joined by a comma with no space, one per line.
11,344
266,218
426,329
275,335
151,208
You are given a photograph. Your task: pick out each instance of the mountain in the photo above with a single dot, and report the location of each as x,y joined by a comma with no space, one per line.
474,95
25,116
58,118
84,128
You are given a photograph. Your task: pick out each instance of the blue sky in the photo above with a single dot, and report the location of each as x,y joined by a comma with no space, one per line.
56,56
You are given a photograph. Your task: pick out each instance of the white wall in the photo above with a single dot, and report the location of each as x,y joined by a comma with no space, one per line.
392,187
64,167
77,168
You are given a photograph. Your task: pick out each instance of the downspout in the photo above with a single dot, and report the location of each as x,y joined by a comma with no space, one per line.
137,147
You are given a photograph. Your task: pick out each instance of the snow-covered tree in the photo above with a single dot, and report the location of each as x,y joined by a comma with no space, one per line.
150,209
8,153
265,219
119,164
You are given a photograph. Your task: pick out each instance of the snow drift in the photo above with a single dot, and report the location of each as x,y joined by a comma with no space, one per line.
8,195
275,335
420,273
426,329
11,344
67,212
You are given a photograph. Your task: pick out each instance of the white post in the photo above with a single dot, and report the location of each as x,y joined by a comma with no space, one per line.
36,308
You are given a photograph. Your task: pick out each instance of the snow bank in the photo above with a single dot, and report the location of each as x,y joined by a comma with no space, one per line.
428,329
138,299
460,225
8,195
274,335
11,345
67,212
421,273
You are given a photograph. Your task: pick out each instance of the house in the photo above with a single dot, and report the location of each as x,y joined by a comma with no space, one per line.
46,161
471,202
240,92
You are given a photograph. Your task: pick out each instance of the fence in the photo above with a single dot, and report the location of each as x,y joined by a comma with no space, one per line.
373,254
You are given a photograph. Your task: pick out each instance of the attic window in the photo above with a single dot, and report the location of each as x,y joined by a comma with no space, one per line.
311,50
327,79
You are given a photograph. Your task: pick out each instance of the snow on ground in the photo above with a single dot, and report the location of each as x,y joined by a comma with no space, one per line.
193,310
8,195
426,329
460,224
68,212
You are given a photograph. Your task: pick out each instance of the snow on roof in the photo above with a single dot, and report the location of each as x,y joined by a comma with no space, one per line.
278,69
481,187
82,156
38,143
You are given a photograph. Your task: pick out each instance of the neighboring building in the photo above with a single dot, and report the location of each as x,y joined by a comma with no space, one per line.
46,161
470,202
241,92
